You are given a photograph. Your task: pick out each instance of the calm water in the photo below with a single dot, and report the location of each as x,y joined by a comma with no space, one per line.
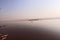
48,24
13,27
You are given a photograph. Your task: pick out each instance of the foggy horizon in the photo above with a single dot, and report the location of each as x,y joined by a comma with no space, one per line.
30,19
22,9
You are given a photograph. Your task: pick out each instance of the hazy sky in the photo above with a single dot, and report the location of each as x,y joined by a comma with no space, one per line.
20,9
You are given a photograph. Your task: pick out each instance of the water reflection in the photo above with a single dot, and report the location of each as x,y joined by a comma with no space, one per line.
3,33
53,25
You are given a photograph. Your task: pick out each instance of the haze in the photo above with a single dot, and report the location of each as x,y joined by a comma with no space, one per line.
21,9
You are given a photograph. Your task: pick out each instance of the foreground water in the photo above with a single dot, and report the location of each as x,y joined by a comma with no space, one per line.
18,29
48,24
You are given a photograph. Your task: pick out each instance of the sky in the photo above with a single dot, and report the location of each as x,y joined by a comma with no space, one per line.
25,9
22,9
